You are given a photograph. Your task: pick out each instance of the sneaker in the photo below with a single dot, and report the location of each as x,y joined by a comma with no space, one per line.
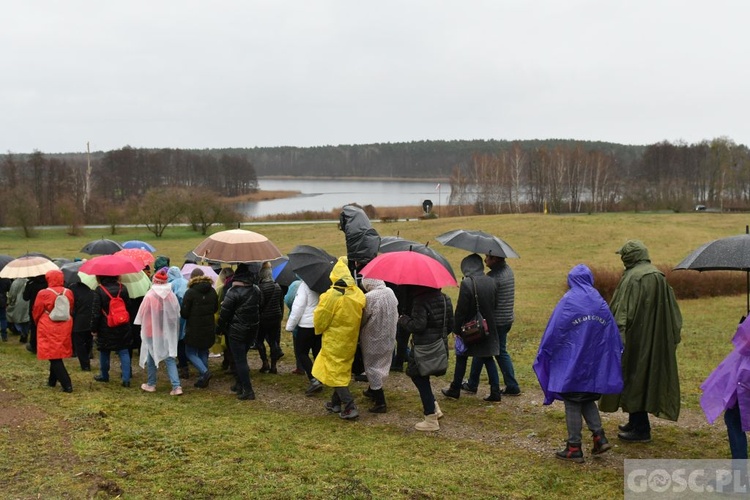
601,443
214,354
511,392
148,388
635,437
177,391
315,386
349,413
572,453
332,408
467,388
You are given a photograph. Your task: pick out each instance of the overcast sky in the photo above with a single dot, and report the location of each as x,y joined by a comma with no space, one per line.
245,73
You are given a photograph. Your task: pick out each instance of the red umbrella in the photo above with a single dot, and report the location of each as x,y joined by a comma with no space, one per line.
143,257
408,268
110,265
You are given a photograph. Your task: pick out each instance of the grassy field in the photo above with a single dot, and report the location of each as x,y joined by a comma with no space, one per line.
104,441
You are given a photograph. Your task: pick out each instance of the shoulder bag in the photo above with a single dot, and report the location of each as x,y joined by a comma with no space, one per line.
432,358
476,330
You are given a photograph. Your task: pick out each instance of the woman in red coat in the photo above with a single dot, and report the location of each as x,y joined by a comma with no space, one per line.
54,337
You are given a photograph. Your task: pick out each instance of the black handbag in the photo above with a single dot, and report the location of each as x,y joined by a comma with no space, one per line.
476,330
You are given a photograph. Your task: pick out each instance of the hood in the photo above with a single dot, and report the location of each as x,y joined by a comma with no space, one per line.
340,275
472,265
54,278
580,276
174,273
633,252
162,290
370,284
197,280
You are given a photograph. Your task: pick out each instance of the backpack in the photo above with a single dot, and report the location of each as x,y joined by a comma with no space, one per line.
61,310
118,312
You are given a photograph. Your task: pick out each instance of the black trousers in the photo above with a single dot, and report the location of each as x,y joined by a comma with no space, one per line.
82,344
58,373
307,341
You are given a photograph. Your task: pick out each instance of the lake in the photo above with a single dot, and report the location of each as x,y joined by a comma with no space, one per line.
327,195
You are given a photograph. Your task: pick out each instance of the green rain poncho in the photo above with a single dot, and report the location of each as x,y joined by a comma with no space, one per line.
649,320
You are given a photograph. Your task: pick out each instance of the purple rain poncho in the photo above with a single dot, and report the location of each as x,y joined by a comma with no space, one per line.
729,383
581,348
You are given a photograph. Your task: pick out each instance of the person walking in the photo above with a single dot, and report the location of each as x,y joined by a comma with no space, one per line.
238,322
289,296
159,317
505,289
579,360
110,338
54,341
4,288
301,319
33,286
83,342
477,291
649,319
377,336
430,319
270,320
337,320
18,313
198,309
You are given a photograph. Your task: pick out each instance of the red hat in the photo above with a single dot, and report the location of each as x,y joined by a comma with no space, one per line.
160,278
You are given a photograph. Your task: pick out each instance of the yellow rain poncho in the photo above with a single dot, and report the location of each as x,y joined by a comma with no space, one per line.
337,319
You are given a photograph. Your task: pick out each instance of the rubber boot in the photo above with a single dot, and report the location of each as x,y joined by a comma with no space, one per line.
429,424
572,453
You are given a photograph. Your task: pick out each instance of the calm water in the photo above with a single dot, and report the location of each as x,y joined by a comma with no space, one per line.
327,195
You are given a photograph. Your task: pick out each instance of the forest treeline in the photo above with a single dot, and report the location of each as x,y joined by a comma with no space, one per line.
485,176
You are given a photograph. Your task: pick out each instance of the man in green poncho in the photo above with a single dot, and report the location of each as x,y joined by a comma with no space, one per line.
649,320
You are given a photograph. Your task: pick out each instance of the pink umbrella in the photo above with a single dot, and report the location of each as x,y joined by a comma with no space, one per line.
110,265
143,257
408,268
207,271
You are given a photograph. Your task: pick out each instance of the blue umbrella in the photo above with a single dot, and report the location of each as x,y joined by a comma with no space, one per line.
139,244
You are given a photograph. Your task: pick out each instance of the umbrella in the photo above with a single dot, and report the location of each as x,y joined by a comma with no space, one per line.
4,259
101,247
313,265
110,265
137,284
477,242
142,257
396,244
282,272
142,245
408,268
725,254
207,271
70,272
235,246
27,266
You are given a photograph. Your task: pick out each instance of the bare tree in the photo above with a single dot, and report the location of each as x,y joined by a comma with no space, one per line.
161,208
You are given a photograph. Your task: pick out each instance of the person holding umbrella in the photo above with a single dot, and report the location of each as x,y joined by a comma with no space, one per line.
337,319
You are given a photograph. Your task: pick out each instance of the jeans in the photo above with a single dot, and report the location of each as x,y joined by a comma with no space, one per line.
488,362
737,437
124,364
425,393
503,360
342,396
241,369
573,413
199,358
174,376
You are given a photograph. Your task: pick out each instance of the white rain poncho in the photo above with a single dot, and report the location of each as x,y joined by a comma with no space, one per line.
377,334
159,317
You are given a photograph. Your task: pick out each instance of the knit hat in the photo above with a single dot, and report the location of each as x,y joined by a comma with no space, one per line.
160,278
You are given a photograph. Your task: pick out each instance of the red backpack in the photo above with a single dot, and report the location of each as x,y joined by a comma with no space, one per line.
118,313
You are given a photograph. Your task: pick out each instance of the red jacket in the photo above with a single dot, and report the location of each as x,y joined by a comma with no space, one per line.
53,338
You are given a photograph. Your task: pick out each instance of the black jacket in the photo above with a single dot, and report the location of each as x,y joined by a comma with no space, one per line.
109,339
83,301
33,287
273,303
199,305
240,312
430,307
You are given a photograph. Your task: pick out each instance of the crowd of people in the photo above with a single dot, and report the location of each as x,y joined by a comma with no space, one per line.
593,356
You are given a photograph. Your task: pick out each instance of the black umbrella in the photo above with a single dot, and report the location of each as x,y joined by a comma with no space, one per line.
101,247
477,242
313,265
398,244
282,272
70,272
725,254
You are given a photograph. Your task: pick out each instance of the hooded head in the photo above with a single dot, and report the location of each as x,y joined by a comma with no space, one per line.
54,277
340,275
370,284
472,265
174,273
247,273
160,278
632,252
580,275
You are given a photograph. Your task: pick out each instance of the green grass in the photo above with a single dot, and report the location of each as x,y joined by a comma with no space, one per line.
104,440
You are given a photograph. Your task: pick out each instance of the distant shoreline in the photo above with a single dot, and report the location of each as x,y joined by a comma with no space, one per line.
333,178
